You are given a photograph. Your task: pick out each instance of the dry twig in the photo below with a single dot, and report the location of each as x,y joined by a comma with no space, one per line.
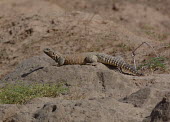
134,54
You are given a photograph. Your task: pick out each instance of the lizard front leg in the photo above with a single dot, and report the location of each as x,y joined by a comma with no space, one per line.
60,61
92,60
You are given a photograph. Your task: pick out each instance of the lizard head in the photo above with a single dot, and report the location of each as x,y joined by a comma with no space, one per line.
51,53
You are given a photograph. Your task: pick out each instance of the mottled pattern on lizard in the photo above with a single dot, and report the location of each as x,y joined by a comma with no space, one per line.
91,57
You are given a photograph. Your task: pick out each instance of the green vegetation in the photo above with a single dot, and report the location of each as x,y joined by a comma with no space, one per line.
150,31
162,37
154,64
146,27
168,45
124,47
20,93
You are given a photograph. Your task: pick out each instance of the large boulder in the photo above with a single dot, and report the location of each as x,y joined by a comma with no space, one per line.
96,93
86,80
161,112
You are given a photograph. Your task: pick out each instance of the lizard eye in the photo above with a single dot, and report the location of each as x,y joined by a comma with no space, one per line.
46,49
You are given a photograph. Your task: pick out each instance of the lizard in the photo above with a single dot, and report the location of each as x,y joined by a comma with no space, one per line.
91,57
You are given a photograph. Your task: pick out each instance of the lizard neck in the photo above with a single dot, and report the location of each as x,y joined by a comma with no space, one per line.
53,54
56,56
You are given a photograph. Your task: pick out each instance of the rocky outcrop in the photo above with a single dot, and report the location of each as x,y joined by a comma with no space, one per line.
96,93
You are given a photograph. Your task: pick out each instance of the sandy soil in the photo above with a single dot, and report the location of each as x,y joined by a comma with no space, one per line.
113,27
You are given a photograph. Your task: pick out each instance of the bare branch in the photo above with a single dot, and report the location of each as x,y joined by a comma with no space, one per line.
88,22
134,54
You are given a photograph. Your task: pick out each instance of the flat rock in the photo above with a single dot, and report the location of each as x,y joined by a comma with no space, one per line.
96,93
88,80
161,112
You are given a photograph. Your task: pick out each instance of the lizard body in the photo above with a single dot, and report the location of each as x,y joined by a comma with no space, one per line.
91,57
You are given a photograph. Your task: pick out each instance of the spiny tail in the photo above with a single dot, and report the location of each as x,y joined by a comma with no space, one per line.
119,63
130,69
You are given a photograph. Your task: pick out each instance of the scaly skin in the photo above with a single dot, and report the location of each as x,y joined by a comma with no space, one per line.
91,57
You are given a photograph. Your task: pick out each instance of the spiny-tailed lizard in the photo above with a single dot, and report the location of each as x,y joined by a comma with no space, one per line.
91,57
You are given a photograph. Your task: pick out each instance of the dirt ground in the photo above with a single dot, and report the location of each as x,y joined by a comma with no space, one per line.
95,93
115,27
